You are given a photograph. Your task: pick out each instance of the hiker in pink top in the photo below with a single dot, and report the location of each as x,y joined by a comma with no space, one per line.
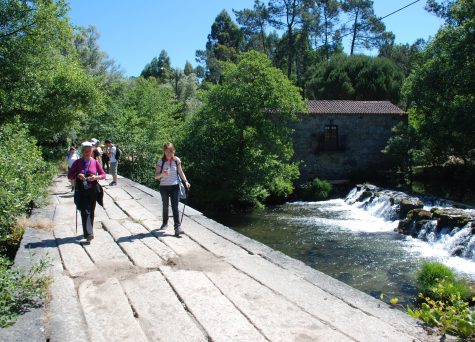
87,171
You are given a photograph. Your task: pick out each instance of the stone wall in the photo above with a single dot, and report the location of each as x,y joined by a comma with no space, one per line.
361,137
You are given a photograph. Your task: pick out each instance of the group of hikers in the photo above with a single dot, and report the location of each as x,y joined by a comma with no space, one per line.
86,168
107,155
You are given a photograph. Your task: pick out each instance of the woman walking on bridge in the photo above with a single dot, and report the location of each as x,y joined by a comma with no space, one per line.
87,171
170,174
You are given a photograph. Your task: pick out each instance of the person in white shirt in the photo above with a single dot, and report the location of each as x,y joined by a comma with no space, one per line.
70,159
170,173
112,160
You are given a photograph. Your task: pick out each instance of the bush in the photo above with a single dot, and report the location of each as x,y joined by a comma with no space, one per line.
19,289
439,282
444,301
24,176
317,190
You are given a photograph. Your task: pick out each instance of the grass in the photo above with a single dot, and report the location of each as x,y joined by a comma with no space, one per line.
433,274
20,289
444,301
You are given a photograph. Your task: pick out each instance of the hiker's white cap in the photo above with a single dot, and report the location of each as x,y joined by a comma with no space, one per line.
94,141
86,144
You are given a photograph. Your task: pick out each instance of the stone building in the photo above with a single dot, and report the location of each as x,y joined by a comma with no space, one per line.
336,139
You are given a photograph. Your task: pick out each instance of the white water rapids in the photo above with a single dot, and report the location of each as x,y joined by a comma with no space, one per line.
454,248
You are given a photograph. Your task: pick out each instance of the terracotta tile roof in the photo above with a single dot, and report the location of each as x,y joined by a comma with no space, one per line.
353,107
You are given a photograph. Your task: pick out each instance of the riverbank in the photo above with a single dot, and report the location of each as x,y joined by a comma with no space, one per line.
137,283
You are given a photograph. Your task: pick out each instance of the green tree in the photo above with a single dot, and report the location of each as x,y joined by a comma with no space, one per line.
355,77
367,31
223,44
41,78
441,90
160,68
327,31
244,125
404,55
141,115
188,70
253,25
286,15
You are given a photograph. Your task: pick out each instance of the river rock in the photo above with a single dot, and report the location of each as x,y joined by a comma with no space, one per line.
419,214
451,217
409,203
402,203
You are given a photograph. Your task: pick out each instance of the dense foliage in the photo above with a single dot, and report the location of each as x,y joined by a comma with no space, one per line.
24,175
238,146
444,301
41,78
441,89
355,78
316,190
440,94
141,116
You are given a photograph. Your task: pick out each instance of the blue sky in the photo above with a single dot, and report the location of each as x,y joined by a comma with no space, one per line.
133,32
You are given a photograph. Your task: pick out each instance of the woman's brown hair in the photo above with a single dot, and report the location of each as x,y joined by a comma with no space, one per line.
168,145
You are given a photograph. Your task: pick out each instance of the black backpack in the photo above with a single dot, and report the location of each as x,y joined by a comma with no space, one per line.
118,153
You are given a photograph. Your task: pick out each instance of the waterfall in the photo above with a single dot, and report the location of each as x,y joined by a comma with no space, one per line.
449,238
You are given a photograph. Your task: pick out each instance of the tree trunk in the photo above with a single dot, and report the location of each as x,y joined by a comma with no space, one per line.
355,31
263,39
327,52
290,47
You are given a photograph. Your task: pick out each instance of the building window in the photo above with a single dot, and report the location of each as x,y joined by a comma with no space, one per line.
331,137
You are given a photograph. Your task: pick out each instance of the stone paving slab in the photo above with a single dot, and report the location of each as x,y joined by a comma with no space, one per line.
104,250
150,240
117,193
112,210
135,210
137,251
219,317
265,309
135,282
65,320
75,259
108,313
136,193
160,313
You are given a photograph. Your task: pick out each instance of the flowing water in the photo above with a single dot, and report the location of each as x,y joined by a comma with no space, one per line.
356,242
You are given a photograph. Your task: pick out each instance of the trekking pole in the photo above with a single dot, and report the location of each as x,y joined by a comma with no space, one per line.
184,205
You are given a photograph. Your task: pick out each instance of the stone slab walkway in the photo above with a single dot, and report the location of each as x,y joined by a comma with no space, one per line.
137,283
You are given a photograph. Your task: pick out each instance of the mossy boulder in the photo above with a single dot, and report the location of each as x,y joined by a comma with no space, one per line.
419,214
403,227
451,217
407,204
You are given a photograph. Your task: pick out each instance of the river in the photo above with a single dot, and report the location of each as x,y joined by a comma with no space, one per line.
349,243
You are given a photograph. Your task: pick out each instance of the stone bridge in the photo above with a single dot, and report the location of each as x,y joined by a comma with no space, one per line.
137,283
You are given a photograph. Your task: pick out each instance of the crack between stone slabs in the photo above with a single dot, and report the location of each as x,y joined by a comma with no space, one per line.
143,243
162,241
126,211
186,308
119,245
304,278
237,308
131,185
329,324
134,311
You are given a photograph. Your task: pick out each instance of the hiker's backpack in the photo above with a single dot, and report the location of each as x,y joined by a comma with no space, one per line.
118,153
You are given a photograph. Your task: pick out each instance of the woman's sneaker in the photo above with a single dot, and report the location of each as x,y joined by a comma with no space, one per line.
163,226
178,232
